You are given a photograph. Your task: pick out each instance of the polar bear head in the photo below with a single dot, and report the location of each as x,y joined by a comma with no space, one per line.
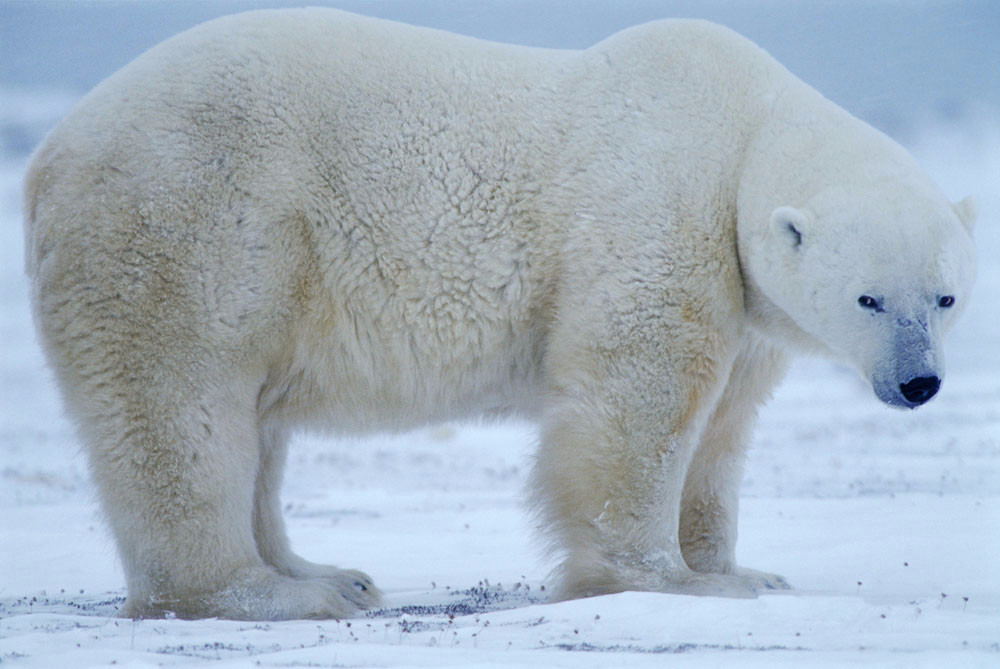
866,261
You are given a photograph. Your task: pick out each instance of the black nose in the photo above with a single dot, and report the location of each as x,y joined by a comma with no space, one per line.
919,390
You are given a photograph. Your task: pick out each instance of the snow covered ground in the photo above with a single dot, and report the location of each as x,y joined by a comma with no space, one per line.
887,523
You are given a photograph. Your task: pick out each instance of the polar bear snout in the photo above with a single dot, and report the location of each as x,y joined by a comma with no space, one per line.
909,365
909,394
919,390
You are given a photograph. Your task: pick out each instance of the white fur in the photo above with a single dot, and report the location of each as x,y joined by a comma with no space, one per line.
309,218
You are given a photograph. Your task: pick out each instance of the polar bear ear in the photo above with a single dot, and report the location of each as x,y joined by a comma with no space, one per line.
790,225
967,210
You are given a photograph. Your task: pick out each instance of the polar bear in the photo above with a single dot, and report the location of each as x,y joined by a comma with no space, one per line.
305,218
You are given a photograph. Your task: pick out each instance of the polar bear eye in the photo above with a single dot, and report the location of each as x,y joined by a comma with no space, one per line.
946,301
869,302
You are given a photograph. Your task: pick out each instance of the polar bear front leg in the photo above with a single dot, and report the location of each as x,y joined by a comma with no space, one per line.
710,505
269,528
617,439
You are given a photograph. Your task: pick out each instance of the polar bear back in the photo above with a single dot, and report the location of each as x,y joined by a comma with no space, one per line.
293,179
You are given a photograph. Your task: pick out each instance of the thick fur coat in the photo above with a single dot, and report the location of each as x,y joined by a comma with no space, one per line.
307,218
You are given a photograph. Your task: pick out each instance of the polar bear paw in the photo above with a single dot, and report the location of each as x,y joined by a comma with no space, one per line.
740,583
589,583
263,594
761,580
710,585
355,585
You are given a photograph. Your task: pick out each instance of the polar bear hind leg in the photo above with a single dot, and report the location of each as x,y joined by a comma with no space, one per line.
177,489
710,503
175,450
272,540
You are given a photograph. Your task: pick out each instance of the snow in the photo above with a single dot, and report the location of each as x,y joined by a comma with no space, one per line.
886,522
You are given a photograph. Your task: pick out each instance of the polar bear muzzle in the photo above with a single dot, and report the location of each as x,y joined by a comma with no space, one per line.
911,376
